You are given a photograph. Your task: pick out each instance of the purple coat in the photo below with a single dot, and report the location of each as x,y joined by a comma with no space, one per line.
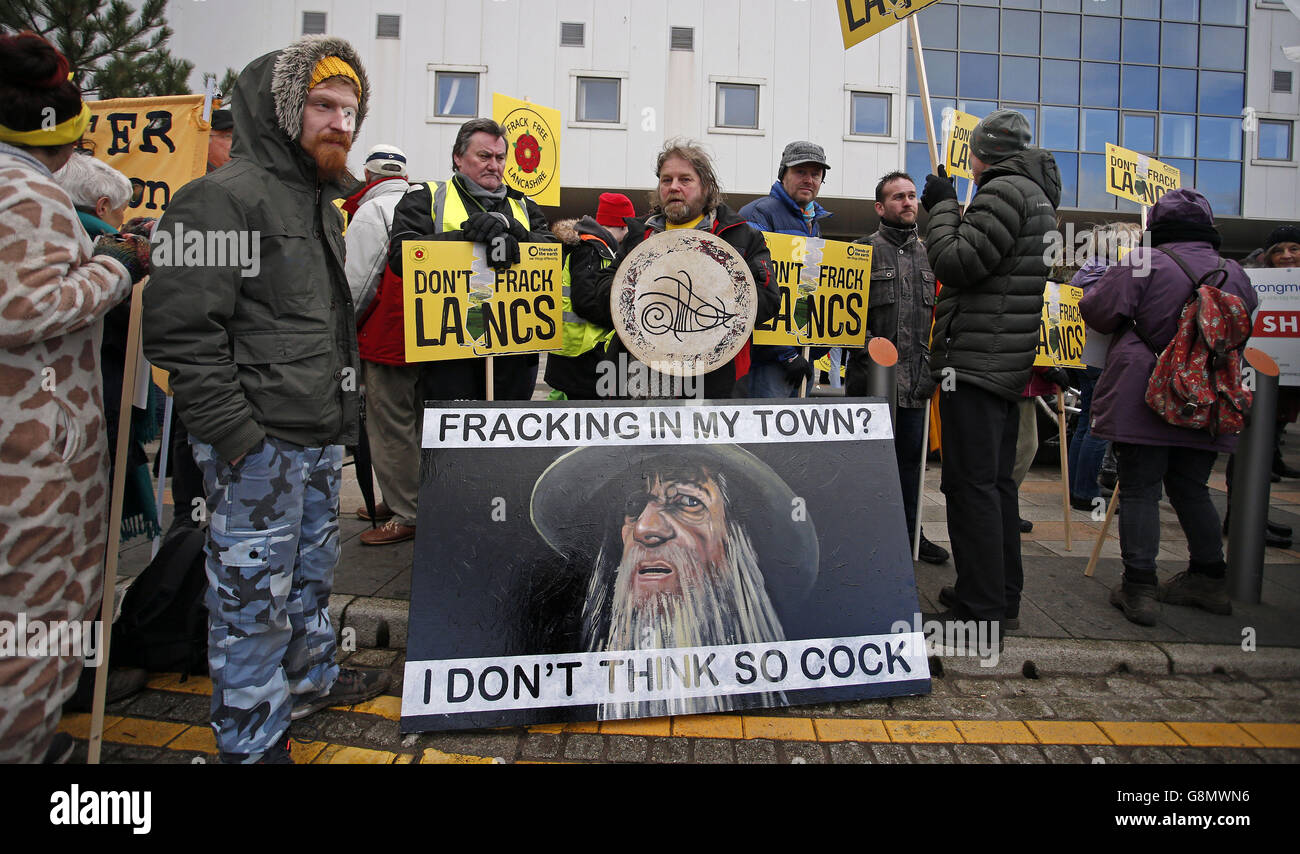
1119,409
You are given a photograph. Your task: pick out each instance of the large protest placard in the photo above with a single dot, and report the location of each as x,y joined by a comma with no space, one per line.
160,144
1277,321
1137,177
457,307
824,287
588,561
533,153
1061,335
957,148
862,19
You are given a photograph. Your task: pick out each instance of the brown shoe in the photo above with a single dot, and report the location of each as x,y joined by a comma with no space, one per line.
390,533
382,513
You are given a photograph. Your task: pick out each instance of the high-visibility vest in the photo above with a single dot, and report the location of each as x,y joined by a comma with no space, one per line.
579,335
448,209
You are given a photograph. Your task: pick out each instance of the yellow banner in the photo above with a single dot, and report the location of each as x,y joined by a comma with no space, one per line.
161,144
824,286
1061,334
457,307
533,153
1137,177
957,156
862,19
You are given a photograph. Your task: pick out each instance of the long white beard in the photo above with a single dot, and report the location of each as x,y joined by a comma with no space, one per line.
717,606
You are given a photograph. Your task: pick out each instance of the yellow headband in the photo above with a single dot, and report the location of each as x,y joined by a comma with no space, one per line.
68,130
332,66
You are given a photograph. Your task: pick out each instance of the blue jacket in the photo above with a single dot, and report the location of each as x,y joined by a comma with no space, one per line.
778,213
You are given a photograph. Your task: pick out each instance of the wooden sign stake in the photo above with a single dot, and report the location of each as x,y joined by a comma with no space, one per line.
1101,536
1065,465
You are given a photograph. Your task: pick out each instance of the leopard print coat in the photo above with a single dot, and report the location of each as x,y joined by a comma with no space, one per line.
53,451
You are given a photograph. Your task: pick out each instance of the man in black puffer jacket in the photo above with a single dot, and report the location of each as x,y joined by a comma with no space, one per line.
990,264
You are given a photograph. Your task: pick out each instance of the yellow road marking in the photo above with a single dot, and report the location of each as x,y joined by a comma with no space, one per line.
850,729
941,732
1214,735
995,732
779,729
1133,734
1067,732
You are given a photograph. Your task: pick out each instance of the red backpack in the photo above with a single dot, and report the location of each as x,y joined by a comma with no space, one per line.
1197,380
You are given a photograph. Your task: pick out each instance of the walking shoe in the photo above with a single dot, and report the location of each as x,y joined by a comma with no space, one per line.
390,532
353,686
278,754
1137,601
948,598
123,682
1277,530
930,553
1196,590
1026,526
382,513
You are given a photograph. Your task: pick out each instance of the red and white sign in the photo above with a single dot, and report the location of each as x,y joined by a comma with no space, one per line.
1277,321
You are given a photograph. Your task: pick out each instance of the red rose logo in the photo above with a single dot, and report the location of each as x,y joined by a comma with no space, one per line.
419,254
528,154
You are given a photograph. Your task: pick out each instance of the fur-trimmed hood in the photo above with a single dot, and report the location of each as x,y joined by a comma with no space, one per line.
268,103
566,230
293,69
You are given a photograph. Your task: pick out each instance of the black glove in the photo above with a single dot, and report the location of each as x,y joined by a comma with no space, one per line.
517,229
482,227
938,188
502,251
1057,376
796,368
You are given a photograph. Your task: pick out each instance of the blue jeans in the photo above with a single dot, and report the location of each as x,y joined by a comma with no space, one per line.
273,545
1086,451
767,380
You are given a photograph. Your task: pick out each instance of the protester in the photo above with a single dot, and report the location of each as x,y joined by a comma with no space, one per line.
986,330
55,289
901,310
263,365
220,137
1087,452
1042,381
590,245
101,194
393,406
688,196
789,208
1148,449
474,205
1282,249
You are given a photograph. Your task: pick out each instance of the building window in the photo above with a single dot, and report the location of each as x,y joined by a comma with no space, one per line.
572,34
682,38
869,114
388,27
1275,139
313,23
457,94
598,99
737,106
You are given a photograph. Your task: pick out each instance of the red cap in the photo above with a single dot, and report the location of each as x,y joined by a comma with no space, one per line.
613,207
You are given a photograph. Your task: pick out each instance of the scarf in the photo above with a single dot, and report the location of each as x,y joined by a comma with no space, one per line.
486,198
1184,232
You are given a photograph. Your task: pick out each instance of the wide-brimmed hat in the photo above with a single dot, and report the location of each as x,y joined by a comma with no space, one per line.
577,498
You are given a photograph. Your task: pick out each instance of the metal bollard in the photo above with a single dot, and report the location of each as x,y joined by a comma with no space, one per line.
882,373
1250,484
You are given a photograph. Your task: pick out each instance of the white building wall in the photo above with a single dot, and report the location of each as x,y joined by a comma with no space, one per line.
793,50
1271,188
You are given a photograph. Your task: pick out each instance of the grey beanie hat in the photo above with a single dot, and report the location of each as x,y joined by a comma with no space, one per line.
999,135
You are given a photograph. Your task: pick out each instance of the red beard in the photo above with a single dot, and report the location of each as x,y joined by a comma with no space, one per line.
330,152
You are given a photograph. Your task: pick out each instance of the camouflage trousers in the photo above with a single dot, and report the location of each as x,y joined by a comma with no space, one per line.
273,544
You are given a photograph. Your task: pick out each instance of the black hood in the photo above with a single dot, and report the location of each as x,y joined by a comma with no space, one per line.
1036,164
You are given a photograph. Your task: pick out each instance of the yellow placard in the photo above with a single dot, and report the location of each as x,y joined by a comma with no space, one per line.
1137,177
957,150
457,307
824,286
862,19
1061,334
533,153
160,144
